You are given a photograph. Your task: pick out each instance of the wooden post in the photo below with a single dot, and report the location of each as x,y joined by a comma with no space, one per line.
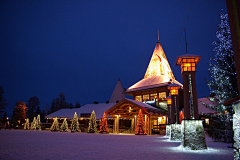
114,130
117,123
145,122
132,124
149,125
186,96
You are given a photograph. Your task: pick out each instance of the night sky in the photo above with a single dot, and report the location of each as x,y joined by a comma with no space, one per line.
81,48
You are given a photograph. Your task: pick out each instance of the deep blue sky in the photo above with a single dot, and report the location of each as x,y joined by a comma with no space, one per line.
81,48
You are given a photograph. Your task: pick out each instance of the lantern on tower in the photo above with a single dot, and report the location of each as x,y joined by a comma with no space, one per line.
169,103
188,64
192,129
173,92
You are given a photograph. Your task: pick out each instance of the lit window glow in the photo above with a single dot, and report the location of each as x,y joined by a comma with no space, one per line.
169,101
162,95
188,64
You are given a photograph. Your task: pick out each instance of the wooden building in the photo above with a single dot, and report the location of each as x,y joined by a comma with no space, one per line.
153,88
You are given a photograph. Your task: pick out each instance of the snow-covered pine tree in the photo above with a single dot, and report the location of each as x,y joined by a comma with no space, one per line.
33,125
38,122
140,127
64,126
104,125
92,128
75,124
223,83
55,125
26,125
222,69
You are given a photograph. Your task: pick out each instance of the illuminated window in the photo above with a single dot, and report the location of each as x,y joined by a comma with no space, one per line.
188,64
162,95
159,120
207,121
138,98
153,96
146,97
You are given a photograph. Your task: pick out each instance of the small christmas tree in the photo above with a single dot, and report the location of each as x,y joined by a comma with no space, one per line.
75,124
140,128
104,125
55,125
92,123
64,126
38,122
26,125
33,125
181,117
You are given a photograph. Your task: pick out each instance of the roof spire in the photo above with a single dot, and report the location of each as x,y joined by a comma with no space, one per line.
117,94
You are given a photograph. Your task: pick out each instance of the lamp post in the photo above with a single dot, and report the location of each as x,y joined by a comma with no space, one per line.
173,88
169,103
188,64
193,135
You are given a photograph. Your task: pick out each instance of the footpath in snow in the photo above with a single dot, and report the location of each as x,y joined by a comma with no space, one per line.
46,145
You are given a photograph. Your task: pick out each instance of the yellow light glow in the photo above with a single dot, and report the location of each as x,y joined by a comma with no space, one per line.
169,101
187,64
159,120
158,64
207,121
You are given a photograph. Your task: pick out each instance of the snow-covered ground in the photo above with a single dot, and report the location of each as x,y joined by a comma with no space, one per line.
46,145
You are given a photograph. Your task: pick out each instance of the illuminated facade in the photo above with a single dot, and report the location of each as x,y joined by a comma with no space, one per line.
153,88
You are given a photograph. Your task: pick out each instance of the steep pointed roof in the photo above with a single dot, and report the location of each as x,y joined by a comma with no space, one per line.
158,65
117,94
158,72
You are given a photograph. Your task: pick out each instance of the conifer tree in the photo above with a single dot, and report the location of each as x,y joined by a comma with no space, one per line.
222,69
75,124
26,125
181,117
140,127
38,122
223,83
33,125
104,125
92,128
55,125
64,126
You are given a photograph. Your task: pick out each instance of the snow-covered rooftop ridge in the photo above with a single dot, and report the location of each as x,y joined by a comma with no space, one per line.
158,72
117,94
88,108
174,85
144,105
202,106
152,82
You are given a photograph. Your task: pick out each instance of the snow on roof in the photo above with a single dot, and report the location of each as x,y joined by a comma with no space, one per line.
152,82
88,108
144,105
202,109
158,72
179,59
117,94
